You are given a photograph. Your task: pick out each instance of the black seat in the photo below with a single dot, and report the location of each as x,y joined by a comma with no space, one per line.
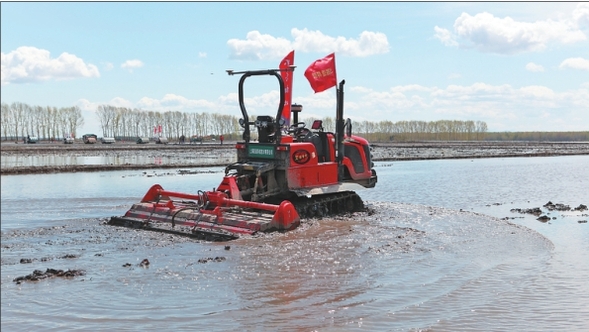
266,129
320,141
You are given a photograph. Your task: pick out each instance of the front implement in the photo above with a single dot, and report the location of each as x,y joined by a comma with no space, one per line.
210,215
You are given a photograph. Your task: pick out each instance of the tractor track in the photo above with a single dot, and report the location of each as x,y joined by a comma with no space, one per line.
328,205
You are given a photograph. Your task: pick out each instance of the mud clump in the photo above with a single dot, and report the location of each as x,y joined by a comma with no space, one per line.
144,264
210,259
539,212
558,206
562,207
543,218
45,259
50,273
535,211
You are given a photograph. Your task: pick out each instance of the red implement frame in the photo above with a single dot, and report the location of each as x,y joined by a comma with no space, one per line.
208,212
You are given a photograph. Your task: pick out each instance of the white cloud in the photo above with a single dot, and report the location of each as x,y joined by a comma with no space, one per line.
120,102
173,102
445,36
30,64
503,107
575,63
411,88
132,64
202,54
86,105
581,14
536,91
368,43
534,67
488,33
258,46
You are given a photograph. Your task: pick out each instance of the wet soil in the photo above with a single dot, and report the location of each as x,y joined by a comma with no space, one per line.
86,241
184,153
49,273
542,214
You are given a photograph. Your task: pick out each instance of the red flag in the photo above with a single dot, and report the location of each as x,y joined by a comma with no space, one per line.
287,76
159,129
321,73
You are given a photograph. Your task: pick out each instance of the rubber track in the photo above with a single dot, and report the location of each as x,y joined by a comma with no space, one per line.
328,205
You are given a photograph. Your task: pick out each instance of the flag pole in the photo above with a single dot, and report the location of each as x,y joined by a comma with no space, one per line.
339,122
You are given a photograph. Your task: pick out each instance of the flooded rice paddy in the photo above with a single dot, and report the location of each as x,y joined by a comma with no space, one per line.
438,250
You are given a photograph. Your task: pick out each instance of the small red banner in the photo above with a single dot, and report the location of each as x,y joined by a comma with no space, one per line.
321,73
287,76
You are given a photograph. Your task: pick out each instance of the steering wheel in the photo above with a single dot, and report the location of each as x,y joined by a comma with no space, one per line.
299,131
295,127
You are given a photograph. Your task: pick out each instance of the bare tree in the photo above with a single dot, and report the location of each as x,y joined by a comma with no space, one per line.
19,113
7,119
74,119
106,115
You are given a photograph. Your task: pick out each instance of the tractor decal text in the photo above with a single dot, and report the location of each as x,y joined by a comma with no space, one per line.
301,156
261,151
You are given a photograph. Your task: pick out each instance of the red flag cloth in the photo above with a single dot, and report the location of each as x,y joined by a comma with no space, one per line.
159,129
287,76
321,73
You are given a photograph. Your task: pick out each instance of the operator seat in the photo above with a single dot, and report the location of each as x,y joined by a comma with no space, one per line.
266,129
319,139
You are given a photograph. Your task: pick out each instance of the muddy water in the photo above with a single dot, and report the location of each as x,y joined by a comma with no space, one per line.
434,254
121,158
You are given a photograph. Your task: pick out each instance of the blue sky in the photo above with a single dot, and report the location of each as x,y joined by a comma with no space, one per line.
520,66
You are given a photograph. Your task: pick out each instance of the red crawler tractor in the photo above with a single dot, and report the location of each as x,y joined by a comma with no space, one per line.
285,175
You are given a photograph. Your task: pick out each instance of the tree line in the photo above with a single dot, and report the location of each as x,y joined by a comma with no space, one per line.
126,122
20,119
440,130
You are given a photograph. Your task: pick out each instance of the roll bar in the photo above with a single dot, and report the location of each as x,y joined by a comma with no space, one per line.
245,121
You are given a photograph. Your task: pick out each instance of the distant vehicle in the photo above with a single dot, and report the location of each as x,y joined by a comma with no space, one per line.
161,140
201,139
31,139
107,140
142,140
68,140
90,139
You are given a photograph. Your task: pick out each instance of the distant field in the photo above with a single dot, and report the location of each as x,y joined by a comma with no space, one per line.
184,153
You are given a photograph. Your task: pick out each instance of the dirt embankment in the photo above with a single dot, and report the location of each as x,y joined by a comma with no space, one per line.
468,150
219,155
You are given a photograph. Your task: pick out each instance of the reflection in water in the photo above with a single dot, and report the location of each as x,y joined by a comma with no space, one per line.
61,160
